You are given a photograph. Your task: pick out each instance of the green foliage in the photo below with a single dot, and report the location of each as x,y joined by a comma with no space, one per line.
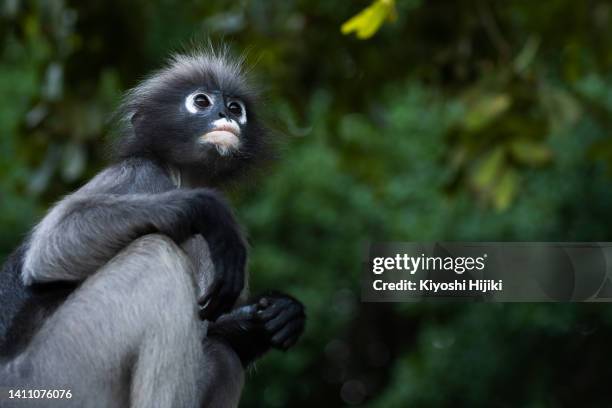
459,121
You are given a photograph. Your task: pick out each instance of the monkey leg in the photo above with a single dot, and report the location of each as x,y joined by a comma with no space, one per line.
130,336
224,376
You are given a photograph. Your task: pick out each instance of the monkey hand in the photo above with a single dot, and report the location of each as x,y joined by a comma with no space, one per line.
283,319
273,320
228,249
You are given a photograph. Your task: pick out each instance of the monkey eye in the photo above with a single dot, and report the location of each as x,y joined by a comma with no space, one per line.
201,101
235,108
198,101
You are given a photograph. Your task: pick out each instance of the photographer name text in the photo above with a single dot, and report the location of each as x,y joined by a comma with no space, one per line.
429,285
404,263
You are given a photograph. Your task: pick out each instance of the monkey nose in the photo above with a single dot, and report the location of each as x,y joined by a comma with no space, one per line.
222,114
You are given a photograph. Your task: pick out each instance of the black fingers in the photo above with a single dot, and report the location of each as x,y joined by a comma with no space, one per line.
283,318
271,310
285,315
288,334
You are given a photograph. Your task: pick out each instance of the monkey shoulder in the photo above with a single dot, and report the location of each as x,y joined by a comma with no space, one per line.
130,176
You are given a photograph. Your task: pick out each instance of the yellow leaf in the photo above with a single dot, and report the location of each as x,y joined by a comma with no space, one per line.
530,152
368,21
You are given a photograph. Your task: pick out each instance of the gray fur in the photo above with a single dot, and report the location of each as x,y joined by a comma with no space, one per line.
87,228
145,296
138,290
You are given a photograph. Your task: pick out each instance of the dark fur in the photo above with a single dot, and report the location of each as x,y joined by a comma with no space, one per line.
24,307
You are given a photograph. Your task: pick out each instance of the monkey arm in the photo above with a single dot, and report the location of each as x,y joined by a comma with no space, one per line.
83,232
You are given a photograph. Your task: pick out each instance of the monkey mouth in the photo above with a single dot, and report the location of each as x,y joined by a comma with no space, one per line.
224,137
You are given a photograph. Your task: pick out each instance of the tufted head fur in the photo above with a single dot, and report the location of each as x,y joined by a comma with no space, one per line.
206,144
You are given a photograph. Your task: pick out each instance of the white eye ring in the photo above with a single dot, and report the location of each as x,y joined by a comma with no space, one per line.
242,118
190,103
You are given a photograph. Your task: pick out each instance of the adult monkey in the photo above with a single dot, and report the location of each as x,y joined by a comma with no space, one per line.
153,259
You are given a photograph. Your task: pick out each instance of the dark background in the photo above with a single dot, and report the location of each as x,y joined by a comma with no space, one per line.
461,120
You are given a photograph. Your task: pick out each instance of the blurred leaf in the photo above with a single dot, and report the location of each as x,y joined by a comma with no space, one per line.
530,152
53,86
488,169
40,180
230,22
9,8
484,110
505,190
368,21
561,107
74,159
527,54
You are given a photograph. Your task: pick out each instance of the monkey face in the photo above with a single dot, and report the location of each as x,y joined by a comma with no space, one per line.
197,127
197,115
221,119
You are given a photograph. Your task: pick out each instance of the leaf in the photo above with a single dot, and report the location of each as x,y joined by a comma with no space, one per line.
530,152
367,22
486,172
527,54
485,109
506,189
